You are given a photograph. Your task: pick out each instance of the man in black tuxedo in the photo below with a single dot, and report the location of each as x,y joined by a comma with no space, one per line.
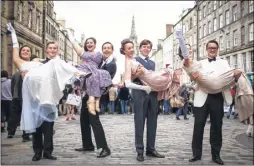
46,129
145,106
87,119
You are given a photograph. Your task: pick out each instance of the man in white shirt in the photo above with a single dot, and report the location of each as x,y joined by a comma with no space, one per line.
210,104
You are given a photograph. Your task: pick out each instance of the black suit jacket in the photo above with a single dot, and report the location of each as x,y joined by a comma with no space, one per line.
111,68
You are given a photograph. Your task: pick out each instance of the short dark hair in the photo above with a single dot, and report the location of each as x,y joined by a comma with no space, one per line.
212,41
4,74
21,48
180,54
107,43
90,38
123,43
145,42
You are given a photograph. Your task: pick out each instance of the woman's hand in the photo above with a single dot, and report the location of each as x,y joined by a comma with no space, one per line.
10,28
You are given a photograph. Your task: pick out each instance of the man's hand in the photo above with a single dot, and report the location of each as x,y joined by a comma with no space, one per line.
23,73
138,73
194,76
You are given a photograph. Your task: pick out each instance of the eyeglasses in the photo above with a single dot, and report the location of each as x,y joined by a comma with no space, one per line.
212,48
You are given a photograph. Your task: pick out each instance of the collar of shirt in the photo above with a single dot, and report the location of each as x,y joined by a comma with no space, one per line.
108,60
143,57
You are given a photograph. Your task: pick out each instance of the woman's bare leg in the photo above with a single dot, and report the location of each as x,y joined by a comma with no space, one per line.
97,104
91,105
68,112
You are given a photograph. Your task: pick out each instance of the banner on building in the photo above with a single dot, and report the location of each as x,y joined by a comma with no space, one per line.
250,77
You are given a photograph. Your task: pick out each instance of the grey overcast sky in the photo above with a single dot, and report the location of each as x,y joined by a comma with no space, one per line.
111,20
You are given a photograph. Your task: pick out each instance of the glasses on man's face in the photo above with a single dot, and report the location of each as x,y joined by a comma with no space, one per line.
212,48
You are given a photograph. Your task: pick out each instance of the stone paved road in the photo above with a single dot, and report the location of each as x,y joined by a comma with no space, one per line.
173,140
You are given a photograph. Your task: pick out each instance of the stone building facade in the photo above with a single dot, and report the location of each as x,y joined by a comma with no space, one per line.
35,24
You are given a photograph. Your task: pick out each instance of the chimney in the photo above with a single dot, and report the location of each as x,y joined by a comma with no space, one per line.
169,29
61,22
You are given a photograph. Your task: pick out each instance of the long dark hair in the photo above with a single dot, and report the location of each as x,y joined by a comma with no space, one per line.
90,38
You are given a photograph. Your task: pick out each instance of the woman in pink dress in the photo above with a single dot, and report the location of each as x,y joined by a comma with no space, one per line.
164,82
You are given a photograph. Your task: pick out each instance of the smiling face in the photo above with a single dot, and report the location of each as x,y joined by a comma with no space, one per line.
90,45
128,49
107,50
212,49
52,50
25,53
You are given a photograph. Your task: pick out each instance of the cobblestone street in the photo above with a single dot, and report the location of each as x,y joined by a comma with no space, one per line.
173,139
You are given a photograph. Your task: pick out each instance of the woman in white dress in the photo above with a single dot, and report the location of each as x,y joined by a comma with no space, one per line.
42,86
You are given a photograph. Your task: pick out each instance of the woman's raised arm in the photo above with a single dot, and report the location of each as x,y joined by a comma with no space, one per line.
15,54
79,50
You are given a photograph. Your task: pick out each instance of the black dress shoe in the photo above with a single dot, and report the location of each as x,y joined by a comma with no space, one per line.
140,157
85,149
104,153
50,157
26,139
10,136
193,159
217,160
36,157
154,154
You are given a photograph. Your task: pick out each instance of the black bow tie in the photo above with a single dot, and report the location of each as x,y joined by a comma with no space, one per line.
211,59
146,58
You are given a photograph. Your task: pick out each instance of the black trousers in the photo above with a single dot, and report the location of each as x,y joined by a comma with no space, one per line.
46,145
213,107
87,120
145,107
5,110
15,116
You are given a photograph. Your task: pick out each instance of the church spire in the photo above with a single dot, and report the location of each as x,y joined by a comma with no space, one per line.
133,35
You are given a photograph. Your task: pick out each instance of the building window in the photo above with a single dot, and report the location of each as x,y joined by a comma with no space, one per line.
250,6
244,61
228,41
242,8
221,43
221,20
252,60
30,18
209,7
191,24
234,12
194,20
234,61
204,49
228,59
200,14
214,24
191,40
220,3
243,35
205,30
20,11
251,32
200,32
37,53
204,11
38,19
235,37
227,17
214,5
209,27
195,38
